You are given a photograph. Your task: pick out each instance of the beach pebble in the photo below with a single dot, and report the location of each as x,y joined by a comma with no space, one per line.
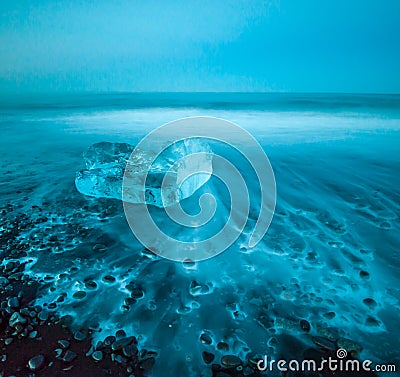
13,303
222,346
120,334
231,361
36,362
43,315
120,359
109,340
63,343
108,279
305,325
130,350
69,356
364,274
137,293
33,334
130,301
99,247
90,284
97,355
79,336
205,338
58,352
370,302
79,295
16,319
120,343
207,357
125,308
330,315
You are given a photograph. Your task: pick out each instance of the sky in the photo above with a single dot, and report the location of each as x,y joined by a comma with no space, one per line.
213,46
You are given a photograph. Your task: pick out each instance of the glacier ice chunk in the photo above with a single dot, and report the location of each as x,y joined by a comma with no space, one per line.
106,163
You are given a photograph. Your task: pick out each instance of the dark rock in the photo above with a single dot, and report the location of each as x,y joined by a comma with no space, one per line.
137,293
370,302
305,325
63,343
364,274
125,308
79,295
109,340
97,355
69,356
120,334
99,247
330,315
36,362
130,301
79,336
205,338
33,334
120,359
208,357
58,352
231,361
13,303
16,319
222,346
43,315
108,279
120,343
130,350
91,284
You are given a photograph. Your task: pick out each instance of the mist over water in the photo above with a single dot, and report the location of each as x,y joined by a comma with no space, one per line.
330,256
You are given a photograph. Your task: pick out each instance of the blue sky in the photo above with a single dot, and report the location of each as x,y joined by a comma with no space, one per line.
288,45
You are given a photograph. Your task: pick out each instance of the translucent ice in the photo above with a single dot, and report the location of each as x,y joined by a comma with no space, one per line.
106,163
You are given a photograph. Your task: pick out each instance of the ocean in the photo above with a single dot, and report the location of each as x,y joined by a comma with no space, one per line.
328,267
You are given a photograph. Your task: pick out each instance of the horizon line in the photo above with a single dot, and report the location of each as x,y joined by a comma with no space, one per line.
77,92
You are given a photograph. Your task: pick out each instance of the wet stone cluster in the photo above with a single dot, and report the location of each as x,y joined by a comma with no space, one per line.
19,320
123,350
22,323
223,363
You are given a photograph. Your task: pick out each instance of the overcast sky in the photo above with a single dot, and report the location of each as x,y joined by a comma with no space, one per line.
125,45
